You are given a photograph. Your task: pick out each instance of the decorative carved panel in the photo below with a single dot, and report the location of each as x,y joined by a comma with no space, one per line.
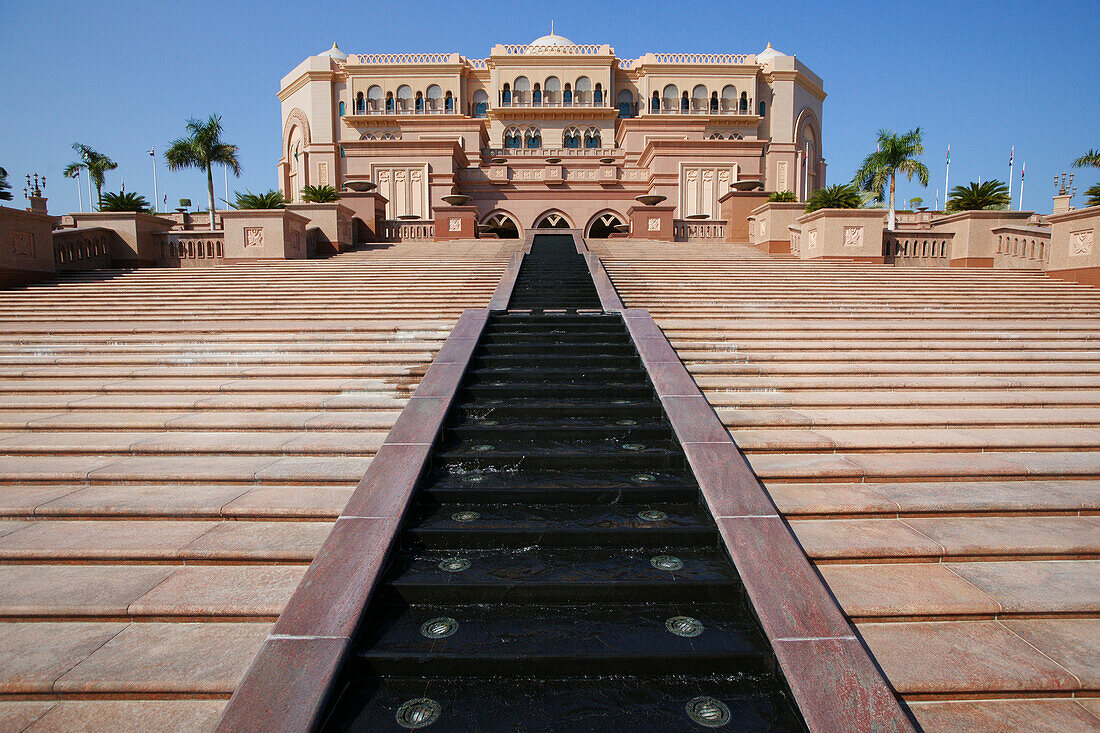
654,224
811,239
454,224
763,227
853,236
253,236
781,177
322,174
22,244
1080,242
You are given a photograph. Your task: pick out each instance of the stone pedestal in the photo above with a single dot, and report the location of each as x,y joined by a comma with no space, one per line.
770,225
735,208
368,209
651,222
264,234
456,222
330,227
26,246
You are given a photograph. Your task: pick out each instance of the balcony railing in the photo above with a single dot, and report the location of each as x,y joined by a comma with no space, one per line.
553,104
700,107
191,248
399,110
550,152
82,249
1021,247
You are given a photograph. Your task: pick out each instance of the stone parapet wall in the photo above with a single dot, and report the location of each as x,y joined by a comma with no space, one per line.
265,234
848,234
769,225
26,248
1073,248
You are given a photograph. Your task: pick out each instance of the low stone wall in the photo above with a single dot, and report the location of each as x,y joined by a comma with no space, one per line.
769,225
917,247
135,244
973,244
688,230
1073,252
26,246
843,234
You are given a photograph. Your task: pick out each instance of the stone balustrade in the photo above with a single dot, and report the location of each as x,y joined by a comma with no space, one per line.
190,248
920,247
686,230
1020,247
405,231
82,249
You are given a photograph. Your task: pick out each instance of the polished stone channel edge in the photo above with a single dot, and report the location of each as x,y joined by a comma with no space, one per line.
287,686
834,680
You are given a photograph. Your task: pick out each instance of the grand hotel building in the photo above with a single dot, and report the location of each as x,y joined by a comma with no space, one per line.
552,134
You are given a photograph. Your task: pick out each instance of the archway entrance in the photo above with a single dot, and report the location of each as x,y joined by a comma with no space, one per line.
553,220
606,224
501,225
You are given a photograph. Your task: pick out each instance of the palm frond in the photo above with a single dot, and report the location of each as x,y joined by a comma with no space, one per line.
322,194
266,200
992,194
1091,159
837,196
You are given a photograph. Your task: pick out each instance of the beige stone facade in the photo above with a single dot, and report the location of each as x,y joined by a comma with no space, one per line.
552,133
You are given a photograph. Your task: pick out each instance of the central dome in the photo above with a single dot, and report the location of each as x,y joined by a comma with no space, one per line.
551,40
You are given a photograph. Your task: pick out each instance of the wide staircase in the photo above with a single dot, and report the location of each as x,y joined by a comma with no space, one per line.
174,448
557,569
933,439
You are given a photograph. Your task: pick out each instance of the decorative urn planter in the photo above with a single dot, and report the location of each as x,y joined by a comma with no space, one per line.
650,199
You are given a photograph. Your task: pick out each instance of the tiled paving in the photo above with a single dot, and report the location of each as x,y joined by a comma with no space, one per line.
933,438
174,447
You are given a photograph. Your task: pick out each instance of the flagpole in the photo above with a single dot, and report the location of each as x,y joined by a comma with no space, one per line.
79,195
89,191
156,193
1011,155
1023,170
947,178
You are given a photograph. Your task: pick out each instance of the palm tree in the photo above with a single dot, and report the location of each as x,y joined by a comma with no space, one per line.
123,202
266,200
783,197
991,194
895,153
5,187
202,149
96,163
1091,159
320,194
837,196
1093,194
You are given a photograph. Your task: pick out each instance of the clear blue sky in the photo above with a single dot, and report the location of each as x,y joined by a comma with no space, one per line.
122,77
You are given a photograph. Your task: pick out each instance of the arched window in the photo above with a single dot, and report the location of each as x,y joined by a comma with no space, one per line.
506,96
567,96
670,98
685,103
699,98
736,136
597,96
449,103
763,109
343,108
552,90
592,137
404,98
389,102
434,96
744,102
388,136
536,96
513,138
481,103
360,107
584,90
419,101
714,136
532,138
655,104
729,99
626,103
374,98
713,102
522,90
368,136
571,138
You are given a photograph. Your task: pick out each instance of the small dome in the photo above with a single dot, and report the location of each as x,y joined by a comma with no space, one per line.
551,40
768,54
335,53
